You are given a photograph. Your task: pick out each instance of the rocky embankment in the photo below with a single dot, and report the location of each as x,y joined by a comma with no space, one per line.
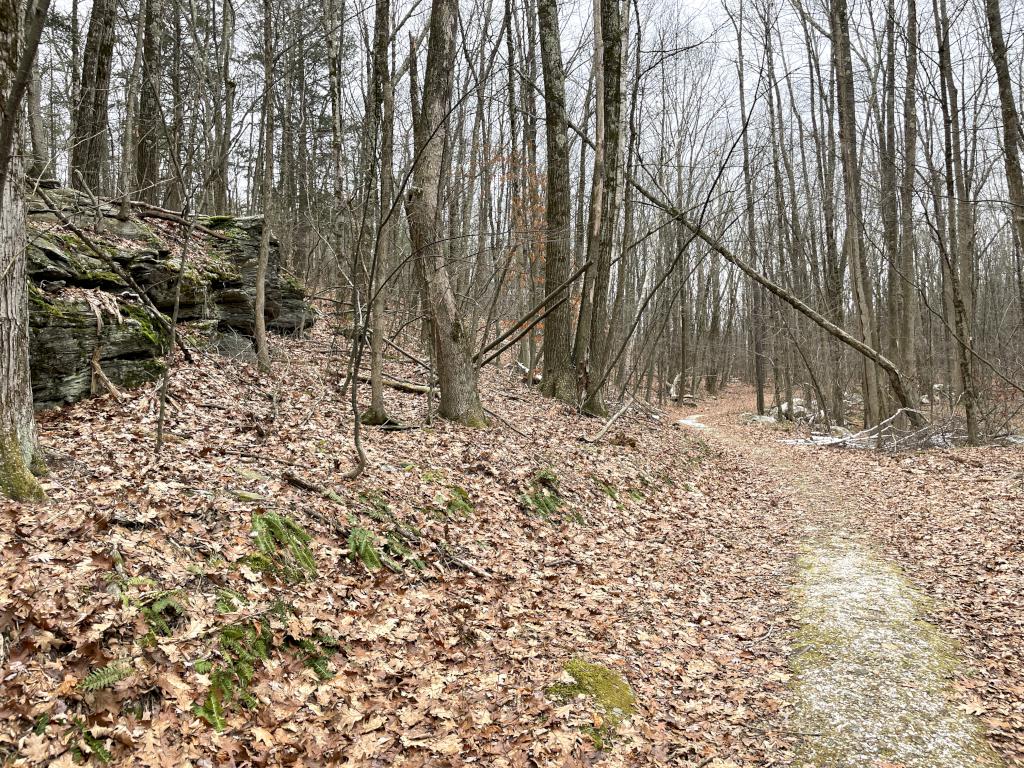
88,323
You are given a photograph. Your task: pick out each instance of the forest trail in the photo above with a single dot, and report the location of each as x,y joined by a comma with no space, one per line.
873,677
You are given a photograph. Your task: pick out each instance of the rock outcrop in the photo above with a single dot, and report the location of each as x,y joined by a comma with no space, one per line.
87,323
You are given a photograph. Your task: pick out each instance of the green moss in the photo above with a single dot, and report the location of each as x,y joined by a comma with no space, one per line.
432,476
38,464
218,222
141,372
16,481
154,332
291,281
611,695
103,277
52,307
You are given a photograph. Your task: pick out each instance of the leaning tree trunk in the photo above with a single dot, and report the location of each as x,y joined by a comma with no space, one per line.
17,425
559,379
457,376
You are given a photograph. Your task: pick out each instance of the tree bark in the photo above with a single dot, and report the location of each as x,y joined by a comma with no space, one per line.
1011,129
611,88
267,189
457,376
18,447
90,144
147,159
559,377
853,241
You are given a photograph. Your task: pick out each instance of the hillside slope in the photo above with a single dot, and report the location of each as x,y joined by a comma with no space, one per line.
168,612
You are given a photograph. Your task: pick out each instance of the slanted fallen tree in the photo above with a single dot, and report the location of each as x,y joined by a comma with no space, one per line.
901,386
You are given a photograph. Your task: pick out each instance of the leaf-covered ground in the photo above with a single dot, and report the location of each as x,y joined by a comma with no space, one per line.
950,519
150,617
166,612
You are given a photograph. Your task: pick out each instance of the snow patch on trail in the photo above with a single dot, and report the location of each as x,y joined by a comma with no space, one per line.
691,421
872,678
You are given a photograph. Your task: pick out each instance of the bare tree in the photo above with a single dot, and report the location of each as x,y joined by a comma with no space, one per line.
452,342
18,448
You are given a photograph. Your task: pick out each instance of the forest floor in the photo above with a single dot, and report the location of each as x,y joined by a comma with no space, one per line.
484,596
907,644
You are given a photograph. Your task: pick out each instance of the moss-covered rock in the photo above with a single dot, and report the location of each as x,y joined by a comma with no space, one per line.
608,691
71,285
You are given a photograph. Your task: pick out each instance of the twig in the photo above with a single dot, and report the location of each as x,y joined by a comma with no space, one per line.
506,422
608,426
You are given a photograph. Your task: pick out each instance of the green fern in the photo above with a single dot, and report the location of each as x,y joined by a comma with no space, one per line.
315,654
283,547
39,726
96,747
227,600
105,677
361,548
212,711
161,610
543,497
376,507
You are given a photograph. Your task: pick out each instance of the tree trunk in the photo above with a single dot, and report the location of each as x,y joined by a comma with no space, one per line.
90,143
267,188
1011,130
905,306
131,100
147,160
457,376
375,123
853,241
559,378
17,425
611,49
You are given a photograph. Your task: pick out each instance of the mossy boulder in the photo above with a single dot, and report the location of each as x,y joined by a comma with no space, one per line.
608,692
80,303
66,335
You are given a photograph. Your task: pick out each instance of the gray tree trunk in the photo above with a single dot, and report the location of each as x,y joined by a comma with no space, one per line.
17,424
453,344
559,377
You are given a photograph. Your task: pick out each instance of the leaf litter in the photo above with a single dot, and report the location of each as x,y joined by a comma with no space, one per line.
243,620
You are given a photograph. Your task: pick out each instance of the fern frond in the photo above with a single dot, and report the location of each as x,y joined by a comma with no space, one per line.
360,547
97,748
105,677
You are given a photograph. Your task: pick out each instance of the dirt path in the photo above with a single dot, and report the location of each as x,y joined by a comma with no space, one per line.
873,678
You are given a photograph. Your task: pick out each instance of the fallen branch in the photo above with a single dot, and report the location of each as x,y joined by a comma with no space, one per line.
608,426
870,431
160,213
506,422
402,386
299,482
